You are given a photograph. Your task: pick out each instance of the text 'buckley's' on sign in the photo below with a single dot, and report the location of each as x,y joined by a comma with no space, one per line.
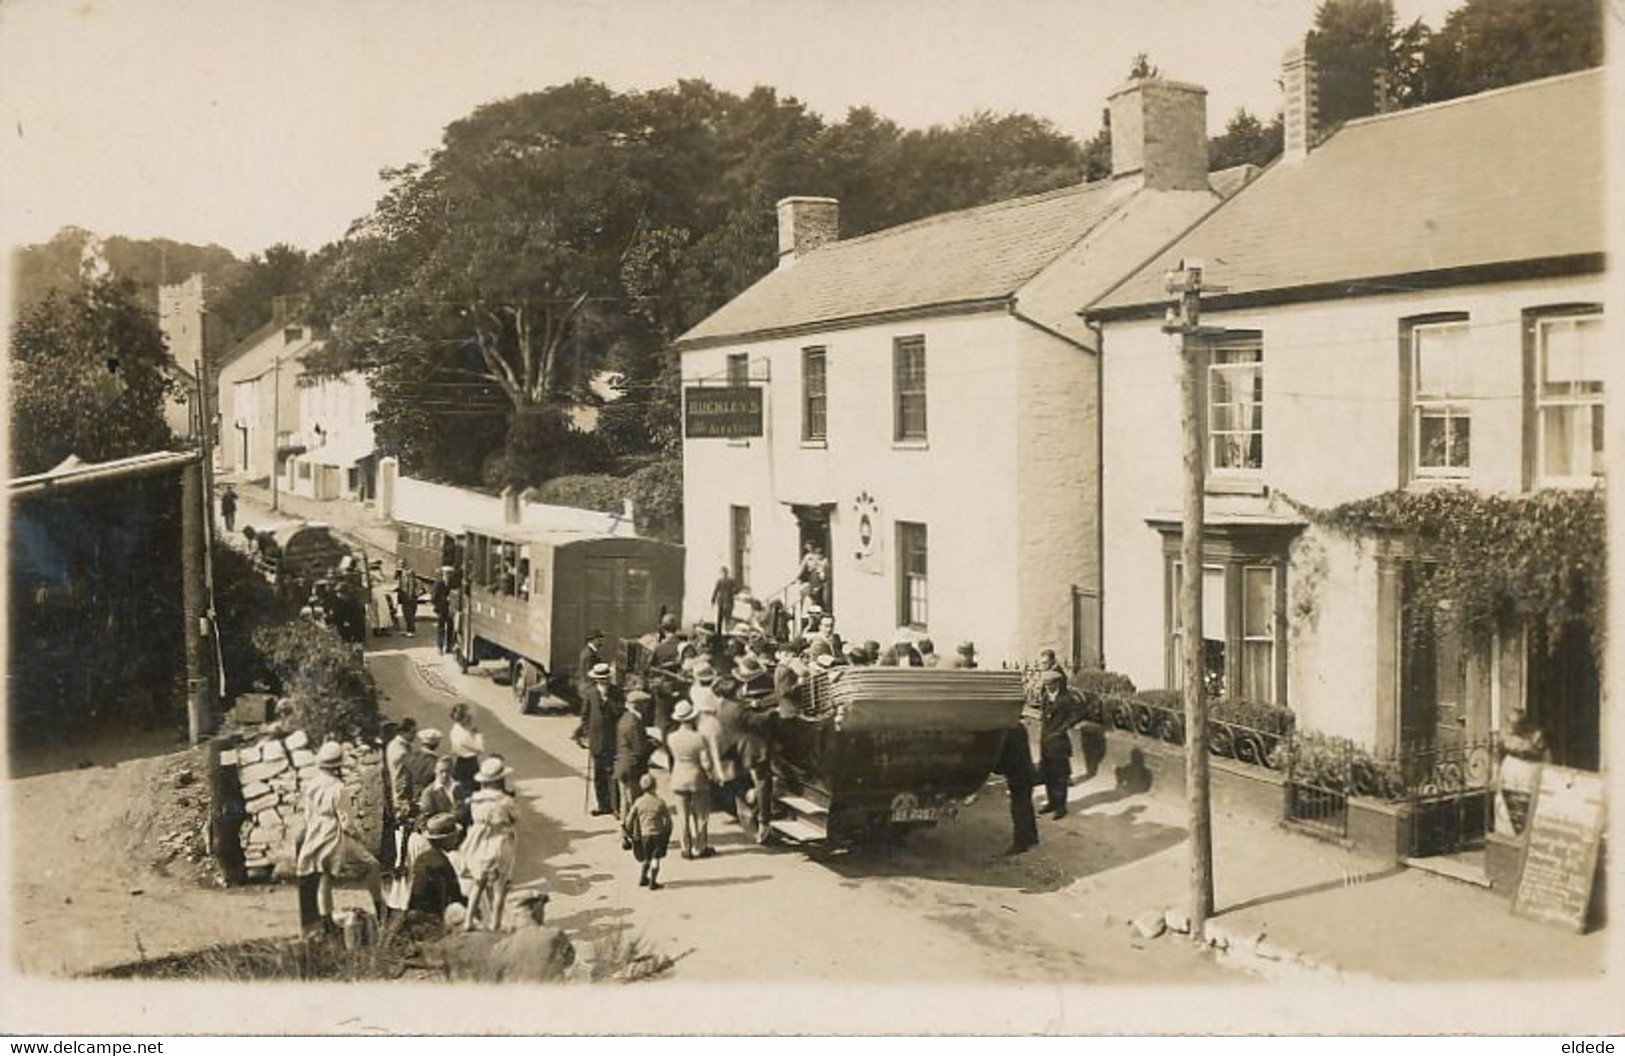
722,413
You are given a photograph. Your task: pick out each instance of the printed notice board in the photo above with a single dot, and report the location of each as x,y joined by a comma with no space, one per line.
1560,848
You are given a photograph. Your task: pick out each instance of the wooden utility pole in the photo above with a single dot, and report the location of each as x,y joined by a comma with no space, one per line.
1184,287
199,699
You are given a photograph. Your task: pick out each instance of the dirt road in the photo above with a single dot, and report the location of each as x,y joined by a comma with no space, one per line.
945,908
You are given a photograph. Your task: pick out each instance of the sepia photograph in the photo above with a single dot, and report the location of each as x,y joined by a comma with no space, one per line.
810,517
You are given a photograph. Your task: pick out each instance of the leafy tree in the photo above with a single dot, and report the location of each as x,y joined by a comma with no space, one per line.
568,232
1245,141
58,264
89,377
1488,44
1352,43
242,302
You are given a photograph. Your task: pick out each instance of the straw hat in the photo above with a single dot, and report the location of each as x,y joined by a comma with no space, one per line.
599,673
430,739
492,770
684,712
704,673
442,828
330,756
748,668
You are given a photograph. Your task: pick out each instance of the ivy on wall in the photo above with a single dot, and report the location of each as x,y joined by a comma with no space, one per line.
1539,558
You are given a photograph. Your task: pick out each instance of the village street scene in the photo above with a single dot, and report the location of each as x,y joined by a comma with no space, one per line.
674,527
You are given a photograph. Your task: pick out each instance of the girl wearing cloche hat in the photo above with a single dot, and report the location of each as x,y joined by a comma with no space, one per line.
331,847
492,844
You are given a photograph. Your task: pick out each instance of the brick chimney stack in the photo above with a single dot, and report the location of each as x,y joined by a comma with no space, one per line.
805,224
1159,134
1299,103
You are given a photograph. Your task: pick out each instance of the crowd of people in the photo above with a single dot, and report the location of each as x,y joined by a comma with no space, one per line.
356,601
707,700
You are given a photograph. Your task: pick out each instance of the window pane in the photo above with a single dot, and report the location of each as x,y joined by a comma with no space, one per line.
1258,670
1443,439
1573,355
1258,602
813,389
1213,607
1442,366
1235,408
1461,431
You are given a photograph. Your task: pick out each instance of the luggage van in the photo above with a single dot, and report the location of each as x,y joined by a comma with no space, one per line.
530,597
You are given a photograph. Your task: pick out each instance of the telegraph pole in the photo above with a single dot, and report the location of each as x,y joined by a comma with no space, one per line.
1184,322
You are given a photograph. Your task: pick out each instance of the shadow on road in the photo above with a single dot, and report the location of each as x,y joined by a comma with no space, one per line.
970,850
1314,889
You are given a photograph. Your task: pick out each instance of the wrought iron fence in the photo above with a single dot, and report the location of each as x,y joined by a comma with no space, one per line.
1163,722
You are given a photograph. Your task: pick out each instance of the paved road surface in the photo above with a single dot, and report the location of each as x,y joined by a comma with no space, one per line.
945,908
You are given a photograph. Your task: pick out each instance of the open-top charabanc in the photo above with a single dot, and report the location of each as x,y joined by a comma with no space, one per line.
879,750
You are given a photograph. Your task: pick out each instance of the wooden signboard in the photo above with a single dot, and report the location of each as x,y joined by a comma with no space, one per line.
1560,848
730,413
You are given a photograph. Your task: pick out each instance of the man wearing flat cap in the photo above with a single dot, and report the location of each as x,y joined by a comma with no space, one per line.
1062,709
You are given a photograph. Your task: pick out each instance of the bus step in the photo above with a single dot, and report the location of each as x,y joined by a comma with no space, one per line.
798,830
803,806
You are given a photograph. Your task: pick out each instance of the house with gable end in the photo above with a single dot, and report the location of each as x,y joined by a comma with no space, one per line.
929,401
1411,303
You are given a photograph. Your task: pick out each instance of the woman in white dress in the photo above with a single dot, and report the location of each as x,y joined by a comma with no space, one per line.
492,844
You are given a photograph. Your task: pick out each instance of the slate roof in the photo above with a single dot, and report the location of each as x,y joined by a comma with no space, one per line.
967,257
1511,175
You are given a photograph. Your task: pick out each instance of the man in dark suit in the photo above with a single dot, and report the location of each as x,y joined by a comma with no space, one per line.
1016,764
600,712
632,749
1062,710
591,656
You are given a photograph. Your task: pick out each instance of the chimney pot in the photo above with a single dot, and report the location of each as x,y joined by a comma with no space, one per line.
1159,134
805,224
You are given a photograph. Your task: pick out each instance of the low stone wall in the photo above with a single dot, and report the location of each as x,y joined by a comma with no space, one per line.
1159,767
1379,830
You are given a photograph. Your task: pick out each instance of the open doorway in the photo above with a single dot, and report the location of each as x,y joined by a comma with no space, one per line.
812,522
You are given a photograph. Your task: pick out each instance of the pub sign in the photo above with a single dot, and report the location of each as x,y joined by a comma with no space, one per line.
722,413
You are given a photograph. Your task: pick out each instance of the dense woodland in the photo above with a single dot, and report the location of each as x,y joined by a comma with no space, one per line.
561,236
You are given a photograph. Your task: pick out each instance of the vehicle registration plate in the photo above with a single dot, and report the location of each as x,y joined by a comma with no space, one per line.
938,813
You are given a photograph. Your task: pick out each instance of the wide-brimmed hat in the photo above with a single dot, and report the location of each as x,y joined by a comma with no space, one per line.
748,668
599,673
704,673
442,828
684,711
429,738
330,756
492,770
